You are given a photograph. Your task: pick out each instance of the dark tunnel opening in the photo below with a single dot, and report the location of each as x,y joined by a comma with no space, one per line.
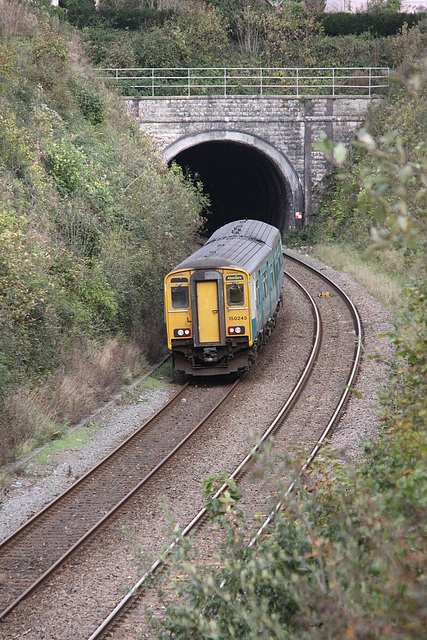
241,183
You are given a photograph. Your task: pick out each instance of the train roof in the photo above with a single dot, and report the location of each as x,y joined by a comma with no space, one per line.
244,244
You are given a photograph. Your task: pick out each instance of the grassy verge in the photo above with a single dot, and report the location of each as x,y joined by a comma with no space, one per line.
72,441
368,271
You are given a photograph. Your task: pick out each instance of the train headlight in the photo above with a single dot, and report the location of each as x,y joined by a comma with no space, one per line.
182,333
235,330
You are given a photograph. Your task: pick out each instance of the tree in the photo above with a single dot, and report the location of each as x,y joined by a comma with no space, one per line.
276,4
315,6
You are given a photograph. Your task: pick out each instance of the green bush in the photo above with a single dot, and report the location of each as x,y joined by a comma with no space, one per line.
50,53
377,24
286,36
66,164
79,12
171,42
133,18
229,8
16,154
346,561
405,47
91,105
177,42
348,51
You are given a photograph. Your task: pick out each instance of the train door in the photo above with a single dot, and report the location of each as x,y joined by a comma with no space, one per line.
208,311
258,301
265,293
207,291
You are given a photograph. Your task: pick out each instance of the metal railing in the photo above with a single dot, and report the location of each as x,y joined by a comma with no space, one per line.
225,82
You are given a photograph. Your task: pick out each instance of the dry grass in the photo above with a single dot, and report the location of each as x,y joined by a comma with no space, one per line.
16,19
86,380
91,378
369,272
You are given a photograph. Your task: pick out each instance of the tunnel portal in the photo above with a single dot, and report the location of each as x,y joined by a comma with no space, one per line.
241,183
242,178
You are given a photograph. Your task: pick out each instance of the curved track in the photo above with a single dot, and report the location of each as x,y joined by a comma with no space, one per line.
353,370
35,550
112,623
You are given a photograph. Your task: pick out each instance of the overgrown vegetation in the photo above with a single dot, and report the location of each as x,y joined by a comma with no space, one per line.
242,33
90,222
375,22
378,198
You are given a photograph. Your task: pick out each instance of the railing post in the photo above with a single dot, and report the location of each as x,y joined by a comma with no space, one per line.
297,83
152,83
333,81
370,70
260,81
189,80
225,82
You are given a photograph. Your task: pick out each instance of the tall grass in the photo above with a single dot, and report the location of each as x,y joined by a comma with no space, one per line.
368,272
36,415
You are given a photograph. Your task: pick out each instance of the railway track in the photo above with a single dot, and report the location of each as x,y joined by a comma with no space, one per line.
112,623
352,374
35,550
285,415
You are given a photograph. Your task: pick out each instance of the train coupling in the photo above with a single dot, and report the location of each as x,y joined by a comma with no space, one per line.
210,354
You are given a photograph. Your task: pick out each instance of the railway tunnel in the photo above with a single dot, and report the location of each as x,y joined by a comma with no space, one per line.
244,176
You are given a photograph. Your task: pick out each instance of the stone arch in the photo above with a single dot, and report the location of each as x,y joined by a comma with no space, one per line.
280,164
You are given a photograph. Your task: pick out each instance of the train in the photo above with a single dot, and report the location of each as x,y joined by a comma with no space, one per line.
222,301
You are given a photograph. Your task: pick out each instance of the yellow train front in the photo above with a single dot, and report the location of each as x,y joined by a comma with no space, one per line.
221,302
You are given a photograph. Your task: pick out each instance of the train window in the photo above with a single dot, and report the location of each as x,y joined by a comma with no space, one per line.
257,292
271,278
180,299
264,284
235,294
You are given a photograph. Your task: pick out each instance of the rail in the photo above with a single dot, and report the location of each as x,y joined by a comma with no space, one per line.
104,628
357,354
29,572
251,81
103,631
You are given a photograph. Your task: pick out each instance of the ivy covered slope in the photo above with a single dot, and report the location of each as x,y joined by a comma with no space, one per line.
90,222
377,197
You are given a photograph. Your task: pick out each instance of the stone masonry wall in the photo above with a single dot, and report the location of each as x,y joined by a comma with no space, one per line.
290,126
